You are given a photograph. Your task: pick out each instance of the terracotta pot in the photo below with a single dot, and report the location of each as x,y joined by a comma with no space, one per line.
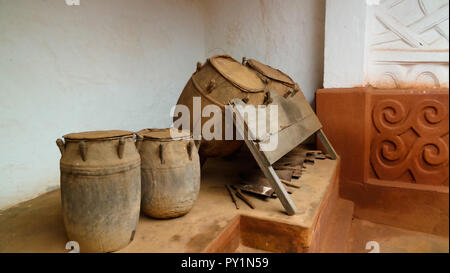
170,172
100,189
216,82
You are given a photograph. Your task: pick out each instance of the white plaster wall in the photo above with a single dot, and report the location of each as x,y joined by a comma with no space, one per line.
345,37
387,43
407,44
285,34
121,64
106,64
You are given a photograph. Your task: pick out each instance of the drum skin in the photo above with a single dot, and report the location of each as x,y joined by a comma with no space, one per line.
170,174
100,191
282,84
216,82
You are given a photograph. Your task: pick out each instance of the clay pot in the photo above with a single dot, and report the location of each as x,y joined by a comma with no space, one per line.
218,81
170,172
100,189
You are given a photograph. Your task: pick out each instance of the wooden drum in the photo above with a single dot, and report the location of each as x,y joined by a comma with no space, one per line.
218,81
100,189
282,84
170,172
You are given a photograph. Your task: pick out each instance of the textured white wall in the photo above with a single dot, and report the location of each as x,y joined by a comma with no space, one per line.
345,38
387,43
121,64
407,44
106,64
286,34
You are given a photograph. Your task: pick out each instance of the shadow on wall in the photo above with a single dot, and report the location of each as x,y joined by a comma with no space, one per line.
122,65
100,65
288,35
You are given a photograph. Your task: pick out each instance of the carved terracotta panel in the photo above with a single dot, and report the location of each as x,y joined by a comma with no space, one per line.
410,140
394,149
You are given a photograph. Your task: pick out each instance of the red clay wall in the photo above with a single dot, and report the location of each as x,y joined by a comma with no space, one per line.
394,150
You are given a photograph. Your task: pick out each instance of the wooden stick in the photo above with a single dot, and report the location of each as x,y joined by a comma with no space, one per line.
233,198
243,198
262,161
324,140
294,168
289,184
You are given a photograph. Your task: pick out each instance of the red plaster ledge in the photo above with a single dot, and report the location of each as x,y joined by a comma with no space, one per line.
403,187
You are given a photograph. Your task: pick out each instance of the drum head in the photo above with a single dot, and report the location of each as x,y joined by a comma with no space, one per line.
238,74
95,135
164,134
270,72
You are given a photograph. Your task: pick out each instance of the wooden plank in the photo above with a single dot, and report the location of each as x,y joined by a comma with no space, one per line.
296,122
289,113
263,164
291,137
324,140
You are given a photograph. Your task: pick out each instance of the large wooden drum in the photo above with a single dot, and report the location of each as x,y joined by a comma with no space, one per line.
282,84
170,172
216,82
100,189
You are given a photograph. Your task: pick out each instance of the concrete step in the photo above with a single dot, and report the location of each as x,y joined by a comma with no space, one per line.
394,240
336,239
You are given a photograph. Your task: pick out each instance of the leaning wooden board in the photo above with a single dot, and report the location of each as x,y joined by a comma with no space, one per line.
295,125
261,159
293,128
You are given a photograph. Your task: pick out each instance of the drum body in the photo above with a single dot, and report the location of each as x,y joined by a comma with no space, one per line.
100,189
216,82
170,172
282,84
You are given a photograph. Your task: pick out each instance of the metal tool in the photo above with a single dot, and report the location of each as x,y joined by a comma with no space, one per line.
261,190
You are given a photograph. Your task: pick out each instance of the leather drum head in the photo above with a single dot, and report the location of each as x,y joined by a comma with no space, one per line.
164,134
238,74
271,72
97,135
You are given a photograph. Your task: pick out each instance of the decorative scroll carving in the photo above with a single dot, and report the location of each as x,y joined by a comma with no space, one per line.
411,139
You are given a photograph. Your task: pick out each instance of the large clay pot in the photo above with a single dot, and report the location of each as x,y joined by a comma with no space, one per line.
218,81
100,189
170,172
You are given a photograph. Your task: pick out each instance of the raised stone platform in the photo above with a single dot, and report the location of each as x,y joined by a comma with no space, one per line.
214,224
